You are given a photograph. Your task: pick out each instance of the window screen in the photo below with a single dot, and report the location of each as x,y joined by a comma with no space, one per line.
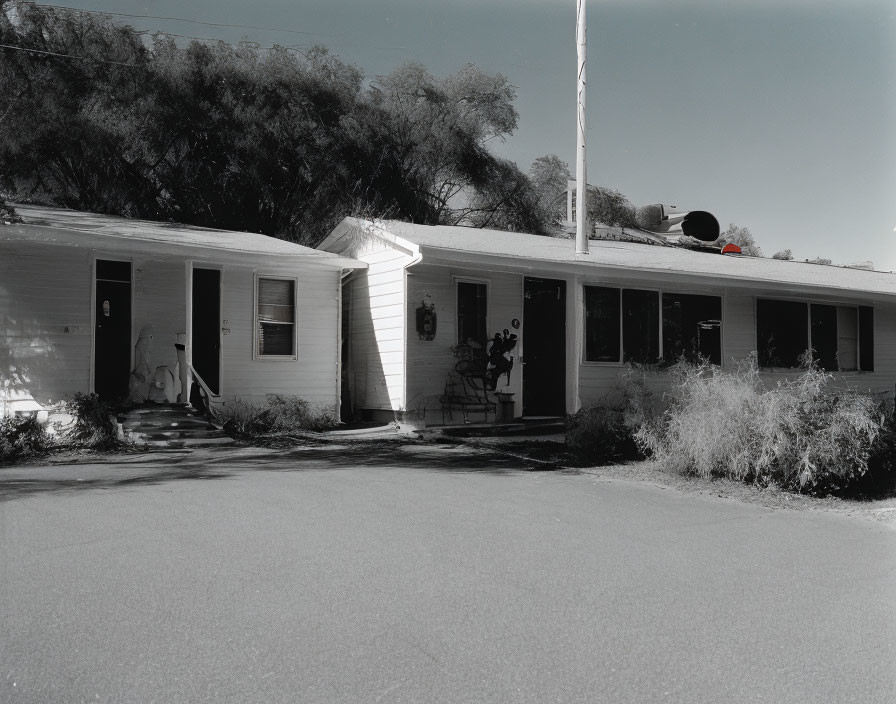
602,330
640,326
824,336
276,317
692,327
866,338
472,308
782,332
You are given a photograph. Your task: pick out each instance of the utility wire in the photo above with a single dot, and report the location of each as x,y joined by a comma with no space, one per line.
292,47
67,56
178,19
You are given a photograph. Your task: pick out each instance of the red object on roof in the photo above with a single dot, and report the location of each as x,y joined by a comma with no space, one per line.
731,249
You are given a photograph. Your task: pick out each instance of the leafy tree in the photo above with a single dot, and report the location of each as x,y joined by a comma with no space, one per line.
743,238
245,139
610,207
507,200
550,176
65,120
441,127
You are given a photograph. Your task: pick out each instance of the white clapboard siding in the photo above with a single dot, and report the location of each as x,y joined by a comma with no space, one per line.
376,362
430,361
313,375
45,320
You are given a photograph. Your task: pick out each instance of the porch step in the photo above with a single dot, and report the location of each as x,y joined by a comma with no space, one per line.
170,426
192,423
175,444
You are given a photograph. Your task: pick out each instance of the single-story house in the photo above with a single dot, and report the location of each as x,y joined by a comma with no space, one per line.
127,307
567,324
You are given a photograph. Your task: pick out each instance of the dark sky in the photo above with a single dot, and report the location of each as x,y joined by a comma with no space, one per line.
779,116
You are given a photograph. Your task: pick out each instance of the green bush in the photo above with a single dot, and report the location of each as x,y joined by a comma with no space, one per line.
281,414
880,479
604,433
94,426
599,435
22,437
802,434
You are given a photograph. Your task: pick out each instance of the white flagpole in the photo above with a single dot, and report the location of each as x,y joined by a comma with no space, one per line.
581,175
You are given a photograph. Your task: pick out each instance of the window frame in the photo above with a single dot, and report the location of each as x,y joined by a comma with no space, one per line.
295,320
659,292
809,303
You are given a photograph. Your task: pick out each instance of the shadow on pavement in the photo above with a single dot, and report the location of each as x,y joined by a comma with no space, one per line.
123,471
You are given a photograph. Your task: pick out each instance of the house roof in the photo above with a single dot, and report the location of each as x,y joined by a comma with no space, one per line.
73,228
528,252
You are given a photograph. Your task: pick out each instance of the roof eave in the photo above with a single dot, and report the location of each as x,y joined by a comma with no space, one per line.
584,264
44,234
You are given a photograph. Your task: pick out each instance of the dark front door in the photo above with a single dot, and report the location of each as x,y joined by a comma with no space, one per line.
206,327
544,347
112,330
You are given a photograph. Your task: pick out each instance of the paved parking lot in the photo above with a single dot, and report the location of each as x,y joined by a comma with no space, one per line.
426,574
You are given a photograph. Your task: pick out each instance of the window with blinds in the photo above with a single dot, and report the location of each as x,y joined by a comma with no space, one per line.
276,317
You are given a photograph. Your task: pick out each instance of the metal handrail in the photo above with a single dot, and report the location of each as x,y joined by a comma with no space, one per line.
210,396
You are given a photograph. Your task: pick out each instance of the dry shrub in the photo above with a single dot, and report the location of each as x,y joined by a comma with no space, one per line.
94,425
604,433
282,414
598,436
22,437
802,434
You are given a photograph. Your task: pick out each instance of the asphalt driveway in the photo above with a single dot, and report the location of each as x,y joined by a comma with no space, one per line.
426,574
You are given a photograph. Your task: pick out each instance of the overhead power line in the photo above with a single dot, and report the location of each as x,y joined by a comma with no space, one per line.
291,47
67,56
178,19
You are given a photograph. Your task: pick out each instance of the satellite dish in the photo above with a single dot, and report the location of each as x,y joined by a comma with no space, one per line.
701,225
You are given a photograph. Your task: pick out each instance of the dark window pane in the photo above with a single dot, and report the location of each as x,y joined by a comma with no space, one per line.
274,339
824,336
782,332
866,338
847,338
692,327
640,326
601,324
113,271
276,316
472,307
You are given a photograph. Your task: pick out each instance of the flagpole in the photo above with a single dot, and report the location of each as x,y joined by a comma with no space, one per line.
581,175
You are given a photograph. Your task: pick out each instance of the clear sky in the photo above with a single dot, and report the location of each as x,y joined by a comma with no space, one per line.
776,115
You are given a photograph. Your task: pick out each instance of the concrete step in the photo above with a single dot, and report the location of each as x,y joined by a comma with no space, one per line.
175,443
158,408
178,434
169,424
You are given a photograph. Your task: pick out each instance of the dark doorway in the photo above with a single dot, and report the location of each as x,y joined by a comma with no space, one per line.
112,330
206,327
544,347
